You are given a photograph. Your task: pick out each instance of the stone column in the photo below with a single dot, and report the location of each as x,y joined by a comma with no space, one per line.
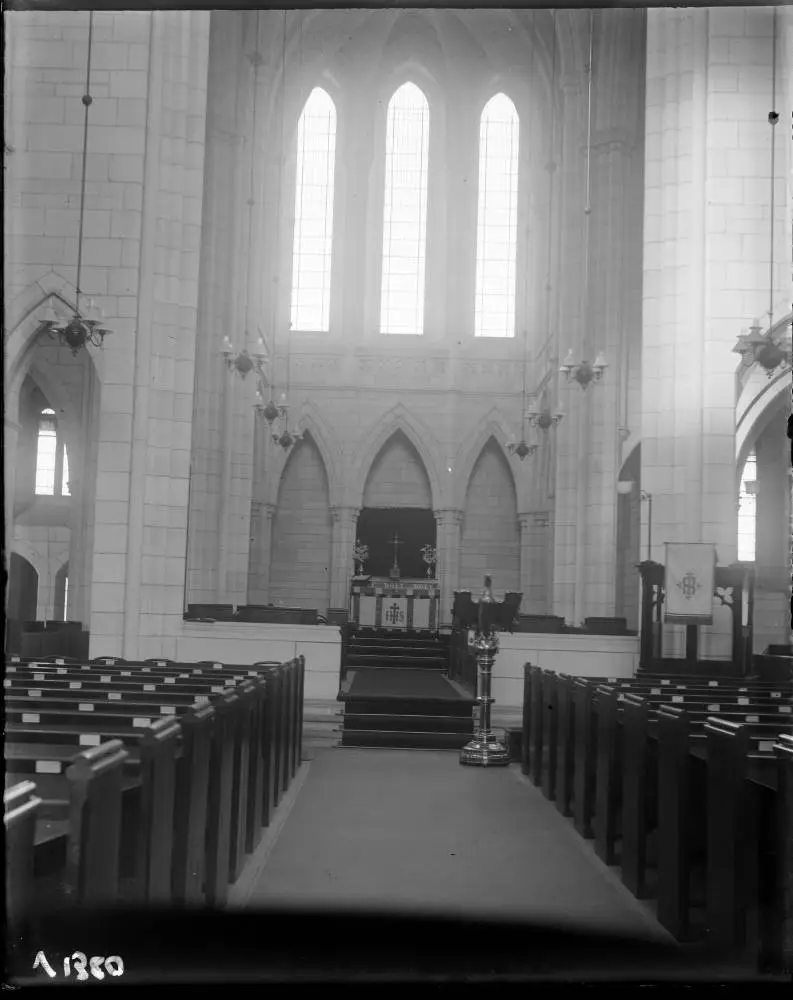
772,608
10,439
159,374
705,258
615,242
224,504
534,562
569,282
344,527
262,515
76,573
449,541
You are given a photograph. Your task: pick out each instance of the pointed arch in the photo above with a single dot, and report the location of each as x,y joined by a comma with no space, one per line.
490,538
397,477
312,242
405,211
493,427
25,316
396,419
300,562
309,419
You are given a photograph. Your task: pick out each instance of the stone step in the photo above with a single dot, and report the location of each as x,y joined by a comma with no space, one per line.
396,649
404,740
407,706
379,660
410,723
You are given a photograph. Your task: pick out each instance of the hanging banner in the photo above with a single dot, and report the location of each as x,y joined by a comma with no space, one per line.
689,583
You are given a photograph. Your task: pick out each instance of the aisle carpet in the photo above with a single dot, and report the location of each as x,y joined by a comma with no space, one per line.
413,831
402,685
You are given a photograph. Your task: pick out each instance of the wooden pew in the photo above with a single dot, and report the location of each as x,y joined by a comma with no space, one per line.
525,743
192,805
160,750
641,761
549,730
675,816
21,805
247,791
94,849
779,954
585,758
565,744
614,764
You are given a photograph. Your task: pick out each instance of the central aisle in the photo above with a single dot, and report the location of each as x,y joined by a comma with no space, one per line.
414,830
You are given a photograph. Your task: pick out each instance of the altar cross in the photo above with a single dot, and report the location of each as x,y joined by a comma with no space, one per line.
395,541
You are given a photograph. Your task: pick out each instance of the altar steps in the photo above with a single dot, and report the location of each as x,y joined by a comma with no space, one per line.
405,709
460,725
401,661
393,740
397,650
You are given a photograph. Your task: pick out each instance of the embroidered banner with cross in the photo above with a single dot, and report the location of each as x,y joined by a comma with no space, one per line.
689,583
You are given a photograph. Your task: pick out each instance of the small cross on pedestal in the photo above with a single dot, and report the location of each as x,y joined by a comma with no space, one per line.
395,541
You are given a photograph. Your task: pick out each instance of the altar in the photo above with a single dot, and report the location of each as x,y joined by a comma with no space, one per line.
379,602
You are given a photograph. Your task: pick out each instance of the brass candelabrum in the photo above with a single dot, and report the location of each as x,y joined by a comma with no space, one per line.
485,750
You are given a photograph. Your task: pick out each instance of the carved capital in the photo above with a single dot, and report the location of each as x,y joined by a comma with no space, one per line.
345,515
449,517
534,519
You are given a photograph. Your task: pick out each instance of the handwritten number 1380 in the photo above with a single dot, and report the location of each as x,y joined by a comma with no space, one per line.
98,966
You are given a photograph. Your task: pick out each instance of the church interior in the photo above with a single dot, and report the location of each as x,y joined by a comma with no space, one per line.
390,390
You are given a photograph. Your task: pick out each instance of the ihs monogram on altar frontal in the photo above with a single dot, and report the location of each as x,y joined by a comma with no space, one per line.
392,602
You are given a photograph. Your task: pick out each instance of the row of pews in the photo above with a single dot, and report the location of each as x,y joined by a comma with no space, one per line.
687,786
142,783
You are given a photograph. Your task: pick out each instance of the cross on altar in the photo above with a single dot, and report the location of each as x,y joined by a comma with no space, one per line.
395,541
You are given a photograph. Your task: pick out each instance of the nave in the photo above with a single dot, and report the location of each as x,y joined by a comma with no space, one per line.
637,810
413,832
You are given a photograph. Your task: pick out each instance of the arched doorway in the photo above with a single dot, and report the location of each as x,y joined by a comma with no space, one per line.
397,505
396,524
23,589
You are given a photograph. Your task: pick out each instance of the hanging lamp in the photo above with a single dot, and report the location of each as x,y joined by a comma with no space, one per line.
243,361
584,372
768,349
81,326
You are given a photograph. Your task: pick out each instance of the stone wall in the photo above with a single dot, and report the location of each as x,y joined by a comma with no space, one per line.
140,262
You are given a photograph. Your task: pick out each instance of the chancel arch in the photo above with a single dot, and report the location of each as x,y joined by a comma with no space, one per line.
301,546
490,530
396,519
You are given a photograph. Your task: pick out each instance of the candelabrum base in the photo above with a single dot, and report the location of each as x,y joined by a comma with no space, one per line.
485,751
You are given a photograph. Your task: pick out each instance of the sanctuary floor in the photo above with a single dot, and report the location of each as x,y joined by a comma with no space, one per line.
414,831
